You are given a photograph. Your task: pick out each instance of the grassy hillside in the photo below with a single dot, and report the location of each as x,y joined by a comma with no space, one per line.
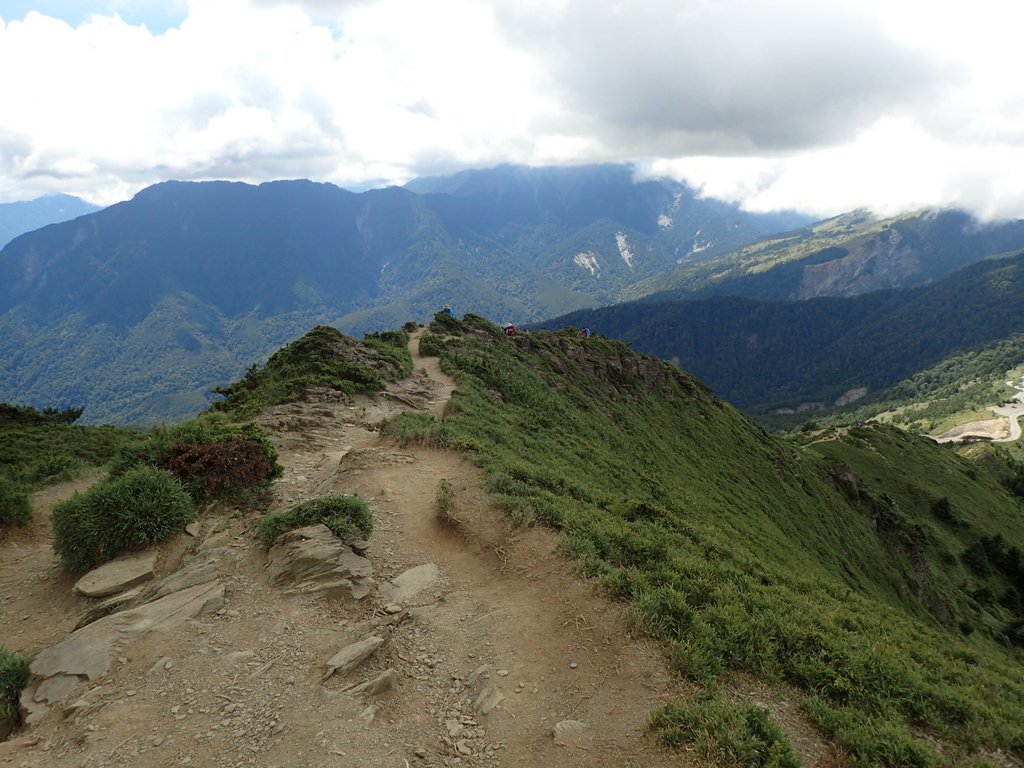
810,565
41,447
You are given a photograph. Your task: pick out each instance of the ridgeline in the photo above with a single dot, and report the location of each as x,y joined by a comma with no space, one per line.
872,576
878,573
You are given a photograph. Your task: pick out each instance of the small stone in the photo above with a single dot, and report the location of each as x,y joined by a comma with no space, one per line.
158,740
454,727
573,665
502,673
571,733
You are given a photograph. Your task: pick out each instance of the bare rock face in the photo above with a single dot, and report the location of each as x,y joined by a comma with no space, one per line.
313,559
118,575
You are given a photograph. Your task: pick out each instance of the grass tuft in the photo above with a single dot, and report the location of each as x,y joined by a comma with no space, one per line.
143,506
15,507
14,669
343,515
725,734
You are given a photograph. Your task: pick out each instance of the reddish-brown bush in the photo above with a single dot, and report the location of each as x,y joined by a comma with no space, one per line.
212,470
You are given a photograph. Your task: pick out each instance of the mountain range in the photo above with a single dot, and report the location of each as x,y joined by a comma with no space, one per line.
138,311
28,215
844,256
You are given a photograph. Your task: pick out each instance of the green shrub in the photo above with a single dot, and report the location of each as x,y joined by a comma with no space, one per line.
323,358
443,323
13,676
415,428
725,734
132,511
343,515
431,345
15,508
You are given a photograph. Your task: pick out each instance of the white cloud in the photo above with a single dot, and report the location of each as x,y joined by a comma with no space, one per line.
824,105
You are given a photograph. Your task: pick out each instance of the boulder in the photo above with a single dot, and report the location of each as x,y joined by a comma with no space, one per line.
314,559
195,570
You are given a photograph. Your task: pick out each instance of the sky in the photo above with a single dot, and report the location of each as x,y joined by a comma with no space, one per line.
821,106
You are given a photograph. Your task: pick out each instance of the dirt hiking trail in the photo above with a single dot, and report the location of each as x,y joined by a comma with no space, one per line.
502,642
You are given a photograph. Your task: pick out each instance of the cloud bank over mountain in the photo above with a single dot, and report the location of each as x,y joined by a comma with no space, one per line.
822,106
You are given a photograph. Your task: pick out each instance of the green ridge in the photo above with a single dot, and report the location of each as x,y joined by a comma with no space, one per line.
746,552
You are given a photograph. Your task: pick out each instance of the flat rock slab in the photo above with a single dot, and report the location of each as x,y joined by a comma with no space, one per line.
407,585
87,652
118,575
351,656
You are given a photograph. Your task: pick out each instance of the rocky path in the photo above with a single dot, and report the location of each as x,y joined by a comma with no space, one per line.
485,639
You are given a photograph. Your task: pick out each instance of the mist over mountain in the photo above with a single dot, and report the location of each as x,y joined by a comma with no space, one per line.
25,216
158,299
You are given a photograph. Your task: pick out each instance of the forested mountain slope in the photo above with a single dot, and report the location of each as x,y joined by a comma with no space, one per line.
764,356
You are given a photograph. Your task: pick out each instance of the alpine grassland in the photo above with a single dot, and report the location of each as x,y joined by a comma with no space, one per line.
38,448
830,564
42,447
325,359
